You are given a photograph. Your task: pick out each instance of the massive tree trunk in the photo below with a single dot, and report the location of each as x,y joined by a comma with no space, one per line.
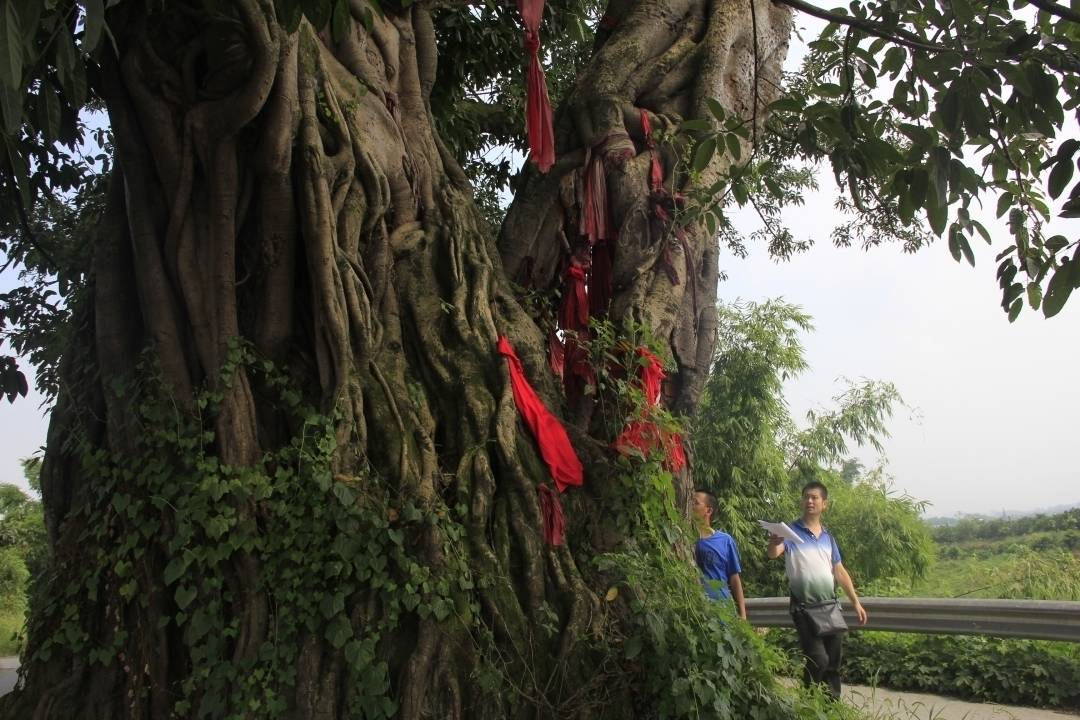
287,473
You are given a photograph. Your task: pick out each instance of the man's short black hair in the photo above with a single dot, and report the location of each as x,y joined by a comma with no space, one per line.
815,485
710,502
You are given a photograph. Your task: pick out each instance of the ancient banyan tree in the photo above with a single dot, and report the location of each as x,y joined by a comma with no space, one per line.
328,443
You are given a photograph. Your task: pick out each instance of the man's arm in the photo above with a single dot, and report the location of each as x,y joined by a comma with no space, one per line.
735,583
775,548
844,580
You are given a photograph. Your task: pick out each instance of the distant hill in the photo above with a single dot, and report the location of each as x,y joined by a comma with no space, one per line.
939,521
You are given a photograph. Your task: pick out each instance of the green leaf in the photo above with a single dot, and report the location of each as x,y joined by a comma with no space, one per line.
1015,308
174,570
913,184
829,90
11,109
788,104
317,12
949,110
716,109
738,190
69,68
1060,177
20,172
954,242
184,595
1005,202
1070,209
938,217
94,22
48,112
940,177
1034,293
11,47
734,146
695,125
704,154
577,30
1056,243
632,647
290,13
1060,287
965,248
339,631
30,19
340,20
894,61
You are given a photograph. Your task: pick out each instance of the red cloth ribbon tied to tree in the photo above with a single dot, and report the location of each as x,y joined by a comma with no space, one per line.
594,211
556,353
539,125
651,373
656,170
555,448
645,436
574,310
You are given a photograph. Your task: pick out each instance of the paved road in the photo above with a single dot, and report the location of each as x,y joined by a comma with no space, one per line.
892,705
877,703
9,667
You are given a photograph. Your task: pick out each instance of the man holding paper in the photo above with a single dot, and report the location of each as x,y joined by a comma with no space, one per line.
813,567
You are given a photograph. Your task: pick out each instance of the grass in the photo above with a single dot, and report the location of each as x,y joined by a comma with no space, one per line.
1023,573
872,707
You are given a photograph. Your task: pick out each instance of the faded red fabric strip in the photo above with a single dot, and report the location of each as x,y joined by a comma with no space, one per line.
552,513
594,214
574,310
656,170
539,125
556,353
600,278
555,448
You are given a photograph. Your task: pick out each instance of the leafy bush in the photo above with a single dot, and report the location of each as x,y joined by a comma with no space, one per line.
1015,672
13,578
881,533
973,528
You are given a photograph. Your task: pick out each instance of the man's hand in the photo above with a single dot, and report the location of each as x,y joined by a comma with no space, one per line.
861,612
775,546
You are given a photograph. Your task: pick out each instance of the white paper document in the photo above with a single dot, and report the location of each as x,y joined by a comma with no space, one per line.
781,529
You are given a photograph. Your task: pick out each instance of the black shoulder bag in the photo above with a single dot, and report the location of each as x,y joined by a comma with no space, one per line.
825,618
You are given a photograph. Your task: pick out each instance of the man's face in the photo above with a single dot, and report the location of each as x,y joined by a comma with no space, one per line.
701,507
812,502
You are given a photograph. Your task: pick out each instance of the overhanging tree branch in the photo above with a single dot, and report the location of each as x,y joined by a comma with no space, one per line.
1057,10
898,36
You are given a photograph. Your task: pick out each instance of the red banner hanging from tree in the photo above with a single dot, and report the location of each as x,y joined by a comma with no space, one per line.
538,119
555,448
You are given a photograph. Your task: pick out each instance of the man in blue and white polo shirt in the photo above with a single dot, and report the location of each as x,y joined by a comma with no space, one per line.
814,570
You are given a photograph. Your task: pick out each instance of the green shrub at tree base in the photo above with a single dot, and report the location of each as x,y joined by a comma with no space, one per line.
999,670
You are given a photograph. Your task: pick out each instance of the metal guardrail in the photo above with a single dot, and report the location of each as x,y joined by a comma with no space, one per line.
1033,619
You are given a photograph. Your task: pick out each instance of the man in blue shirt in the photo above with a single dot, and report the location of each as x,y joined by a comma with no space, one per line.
814,569
716,554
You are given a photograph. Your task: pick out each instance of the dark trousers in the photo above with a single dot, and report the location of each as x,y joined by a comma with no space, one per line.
823,654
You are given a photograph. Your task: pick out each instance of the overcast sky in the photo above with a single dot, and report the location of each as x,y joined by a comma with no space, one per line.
995,427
